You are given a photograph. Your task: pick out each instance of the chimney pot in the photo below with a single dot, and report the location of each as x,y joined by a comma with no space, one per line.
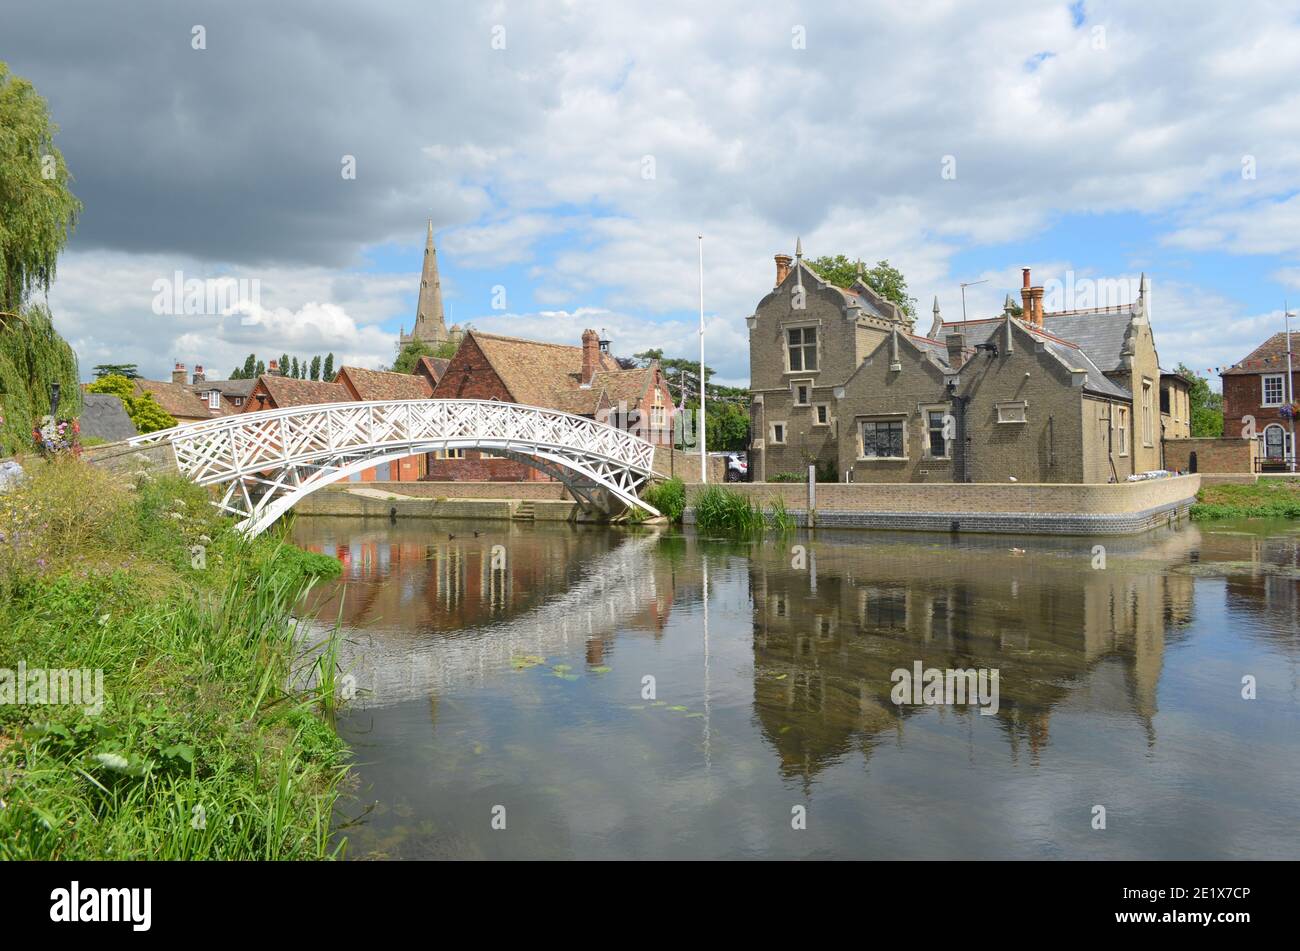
1037,296
782,268
199,376
178,372
1024,277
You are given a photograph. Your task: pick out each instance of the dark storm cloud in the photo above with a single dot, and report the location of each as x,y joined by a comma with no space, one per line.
235,152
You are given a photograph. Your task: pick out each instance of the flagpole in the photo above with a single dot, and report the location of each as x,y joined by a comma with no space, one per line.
1290,384
704,458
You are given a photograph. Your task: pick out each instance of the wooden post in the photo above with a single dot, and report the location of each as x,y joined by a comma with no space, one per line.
812,496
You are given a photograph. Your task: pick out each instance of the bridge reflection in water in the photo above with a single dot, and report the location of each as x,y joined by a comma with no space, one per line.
782,687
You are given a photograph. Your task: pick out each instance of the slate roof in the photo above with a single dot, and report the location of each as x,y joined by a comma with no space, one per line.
1268,357
227,387
104,417
1068,352
383,385
1101,332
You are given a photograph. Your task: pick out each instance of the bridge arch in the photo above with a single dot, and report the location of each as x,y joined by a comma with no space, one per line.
269,460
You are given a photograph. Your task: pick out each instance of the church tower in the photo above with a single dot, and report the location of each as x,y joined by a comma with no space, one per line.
430,327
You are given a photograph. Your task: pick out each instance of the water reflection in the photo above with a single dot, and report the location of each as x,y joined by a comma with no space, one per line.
524,680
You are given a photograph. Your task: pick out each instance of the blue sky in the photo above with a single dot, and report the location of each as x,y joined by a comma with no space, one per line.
570,152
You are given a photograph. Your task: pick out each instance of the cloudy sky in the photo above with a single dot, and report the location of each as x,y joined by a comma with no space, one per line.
570,152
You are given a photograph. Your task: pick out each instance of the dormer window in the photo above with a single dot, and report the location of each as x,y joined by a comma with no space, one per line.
214,399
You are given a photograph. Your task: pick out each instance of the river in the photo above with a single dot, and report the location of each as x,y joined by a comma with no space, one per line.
534,690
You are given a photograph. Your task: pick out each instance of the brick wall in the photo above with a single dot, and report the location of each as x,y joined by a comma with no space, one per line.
1243,396
1212,455
541,491
1117,498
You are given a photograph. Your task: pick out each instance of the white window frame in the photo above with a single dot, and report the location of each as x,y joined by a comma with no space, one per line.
817,347
1121,427
862,421
1263,388
944,409
1006,406
785,431
214,399
817,414
1148,430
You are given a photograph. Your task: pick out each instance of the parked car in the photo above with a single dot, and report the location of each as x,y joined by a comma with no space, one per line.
737,467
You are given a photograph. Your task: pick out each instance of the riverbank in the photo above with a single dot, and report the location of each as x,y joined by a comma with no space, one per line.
1266,498
143,648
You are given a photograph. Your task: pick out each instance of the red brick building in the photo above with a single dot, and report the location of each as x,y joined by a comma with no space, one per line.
1257,387
585,381
351,384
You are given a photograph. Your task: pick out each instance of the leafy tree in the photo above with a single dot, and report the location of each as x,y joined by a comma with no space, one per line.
250,367
37,209
32,357
315,367
260,369
145,411
1207,405
885,279
727,428
328,371
294,372
411,353
128,370
284,364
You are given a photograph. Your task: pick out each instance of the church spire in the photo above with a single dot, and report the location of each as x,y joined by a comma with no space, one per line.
430,326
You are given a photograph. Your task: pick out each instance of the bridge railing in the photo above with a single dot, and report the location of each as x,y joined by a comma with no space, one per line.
218,449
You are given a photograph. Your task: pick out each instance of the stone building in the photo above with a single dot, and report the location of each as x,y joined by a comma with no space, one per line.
840,380
430,326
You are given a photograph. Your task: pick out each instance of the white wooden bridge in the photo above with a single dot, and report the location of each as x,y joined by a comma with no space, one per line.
267,461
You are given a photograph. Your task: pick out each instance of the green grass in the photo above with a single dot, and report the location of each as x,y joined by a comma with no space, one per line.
728,512
199,752
1267,498
669,497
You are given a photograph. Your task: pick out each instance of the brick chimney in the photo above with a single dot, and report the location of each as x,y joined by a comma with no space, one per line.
956,344
782,268
1037,294
1026,297
178,373
273,368
590,355
198,374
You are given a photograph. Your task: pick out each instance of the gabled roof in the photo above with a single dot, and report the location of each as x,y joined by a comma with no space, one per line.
383,385
1069,353
286,391
226,387
433,367
627,386
535,372
1268,357
178,399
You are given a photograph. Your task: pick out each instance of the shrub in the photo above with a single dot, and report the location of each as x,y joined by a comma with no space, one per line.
669,497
